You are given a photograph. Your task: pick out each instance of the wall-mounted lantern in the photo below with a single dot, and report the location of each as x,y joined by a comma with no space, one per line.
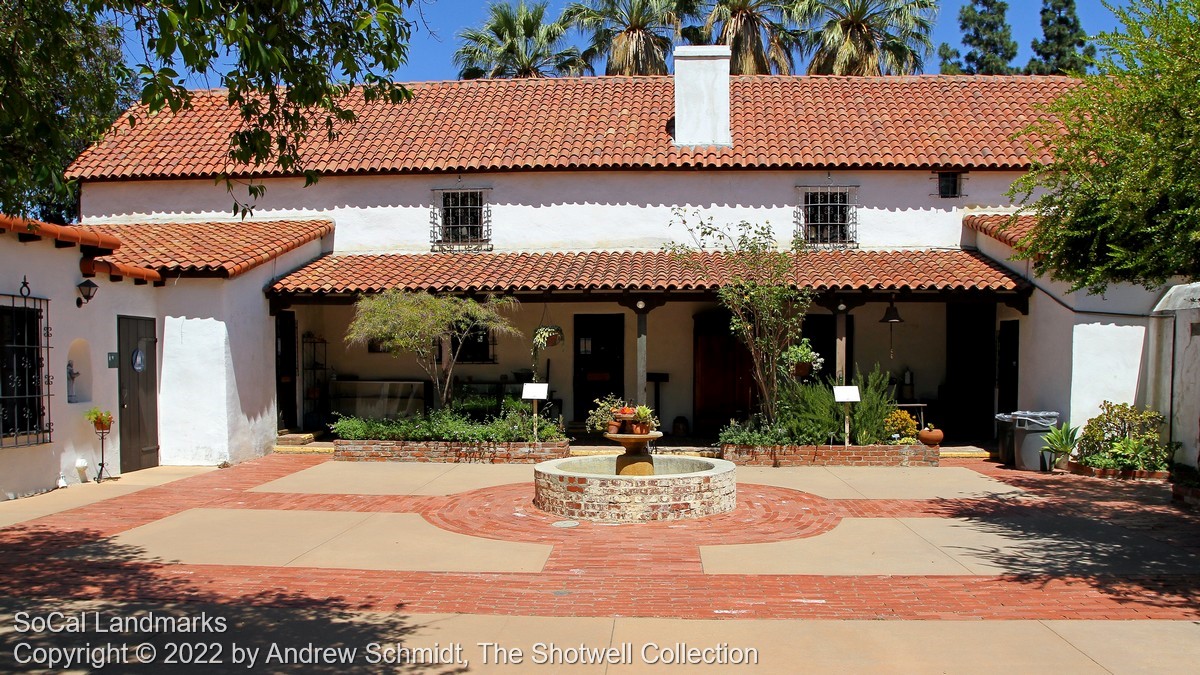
87,290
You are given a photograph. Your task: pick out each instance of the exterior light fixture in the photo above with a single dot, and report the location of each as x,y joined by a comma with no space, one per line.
87,291
891,316
641,304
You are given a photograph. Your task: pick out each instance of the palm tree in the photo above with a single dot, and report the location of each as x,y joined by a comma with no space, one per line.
517,42
865,37
634,35
757,35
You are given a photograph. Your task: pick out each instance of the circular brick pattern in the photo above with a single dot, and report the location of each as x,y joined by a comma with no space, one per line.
588,488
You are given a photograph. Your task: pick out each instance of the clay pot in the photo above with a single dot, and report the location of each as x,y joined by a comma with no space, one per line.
102,426
803,369
552,340
614,427
640,427
930,437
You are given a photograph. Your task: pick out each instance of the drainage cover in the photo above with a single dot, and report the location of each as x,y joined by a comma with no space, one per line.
566,523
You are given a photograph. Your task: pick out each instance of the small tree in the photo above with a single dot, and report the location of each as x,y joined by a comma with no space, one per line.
985,31
756,285
432,327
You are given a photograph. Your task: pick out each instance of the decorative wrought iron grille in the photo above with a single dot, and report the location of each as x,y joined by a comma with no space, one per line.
25,377
950,184
827,216
460,220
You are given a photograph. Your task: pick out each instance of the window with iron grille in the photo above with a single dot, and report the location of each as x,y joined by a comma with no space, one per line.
24,372
478,346
828,216
460,220
950,184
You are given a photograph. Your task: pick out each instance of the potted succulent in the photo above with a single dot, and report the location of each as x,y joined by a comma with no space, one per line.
101,419
1059,442
800,361
644,420
930,435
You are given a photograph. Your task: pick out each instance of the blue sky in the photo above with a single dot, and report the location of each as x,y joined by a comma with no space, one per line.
430,56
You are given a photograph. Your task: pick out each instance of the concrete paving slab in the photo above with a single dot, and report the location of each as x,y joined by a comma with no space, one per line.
398,478
405,541
816,480
857,546
949,482
863,646
15,511
546,644
1135,646
228,536
1050,544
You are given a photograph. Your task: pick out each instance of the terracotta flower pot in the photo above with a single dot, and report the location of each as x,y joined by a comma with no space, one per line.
930,437
102,426
614,427
640,427
803,369
552,340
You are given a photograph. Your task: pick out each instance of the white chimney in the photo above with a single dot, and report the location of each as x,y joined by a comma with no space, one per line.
702,95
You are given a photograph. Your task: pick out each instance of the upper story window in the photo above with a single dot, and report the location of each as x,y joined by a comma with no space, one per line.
24,376
828,216
460,220
950,184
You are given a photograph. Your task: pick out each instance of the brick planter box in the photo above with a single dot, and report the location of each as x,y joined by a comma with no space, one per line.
1116,474
832,455
1186,495
449,452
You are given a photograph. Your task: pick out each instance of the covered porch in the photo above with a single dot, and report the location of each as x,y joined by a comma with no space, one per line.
645,327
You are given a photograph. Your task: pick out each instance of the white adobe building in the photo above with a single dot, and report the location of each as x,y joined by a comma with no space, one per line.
562,192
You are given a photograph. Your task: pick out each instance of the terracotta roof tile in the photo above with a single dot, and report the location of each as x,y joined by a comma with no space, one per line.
90,267
620,122
64,233
1005,228
621,271
224,249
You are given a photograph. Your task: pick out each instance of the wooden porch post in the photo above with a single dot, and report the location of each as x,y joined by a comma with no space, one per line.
641,356
840,361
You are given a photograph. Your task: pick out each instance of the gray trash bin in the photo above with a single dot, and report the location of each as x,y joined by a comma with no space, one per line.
1029,432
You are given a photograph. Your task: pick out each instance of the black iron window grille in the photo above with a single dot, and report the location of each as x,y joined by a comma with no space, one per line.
950,184
828,216
25,377
460,220
478,346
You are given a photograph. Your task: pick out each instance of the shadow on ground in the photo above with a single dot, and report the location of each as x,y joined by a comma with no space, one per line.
84,597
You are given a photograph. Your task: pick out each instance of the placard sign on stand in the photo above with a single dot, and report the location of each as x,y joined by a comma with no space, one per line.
846,396
535,391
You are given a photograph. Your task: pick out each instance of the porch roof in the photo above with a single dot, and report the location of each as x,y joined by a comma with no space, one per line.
1005,228
213,249
858,270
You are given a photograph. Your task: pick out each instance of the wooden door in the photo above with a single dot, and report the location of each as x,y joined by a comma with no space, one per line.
723,386
599,359
967,401
137,419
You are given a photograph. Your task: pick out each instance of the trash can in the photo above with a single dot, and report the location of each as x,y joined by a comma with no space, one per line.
1005,451
1029,432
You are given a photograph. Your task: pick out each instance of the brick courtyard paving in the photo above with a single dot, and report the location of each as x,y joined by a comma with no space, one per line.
652,570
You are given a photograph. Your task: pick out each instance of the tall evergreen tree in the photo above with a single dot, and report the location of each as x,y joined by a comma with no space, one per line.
985,31
949,60
1063,48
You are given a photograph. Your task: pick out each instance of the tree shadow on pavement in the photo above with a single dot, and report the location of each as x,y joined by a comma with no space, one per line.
116,582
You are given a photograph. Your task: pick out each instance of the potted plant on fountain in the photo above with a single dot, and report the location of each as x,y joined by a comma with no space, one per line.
644,420
603,418
101,419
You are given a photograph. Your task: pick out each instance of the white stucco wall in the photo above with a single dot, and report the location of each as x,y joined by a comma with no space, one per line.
578,210
92,332
1076,349
1186,412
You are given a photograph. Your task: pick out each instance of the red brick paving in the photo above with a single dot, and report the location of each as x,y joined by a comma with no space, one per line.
648,570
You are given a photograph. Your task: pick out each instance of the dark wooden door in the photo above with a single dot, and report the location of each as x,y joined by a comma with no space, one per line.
285,369
137,419
1008,358
723,386
599,359
967,401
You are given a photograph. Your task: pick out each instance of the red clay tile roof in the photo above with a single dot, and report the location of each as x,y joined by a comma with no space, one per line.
620,271
1002,227
90,267
209,249
940,121
63,233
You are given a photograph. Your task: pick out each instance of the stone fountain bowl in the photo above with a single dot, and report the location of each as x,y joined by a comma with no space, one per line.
588,488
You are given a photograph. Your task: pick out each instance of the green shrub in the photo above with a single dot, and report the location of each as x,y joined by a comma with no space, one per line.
869,417
900,426
599,417
1061,440
754,432
1124,436
809,415
514,424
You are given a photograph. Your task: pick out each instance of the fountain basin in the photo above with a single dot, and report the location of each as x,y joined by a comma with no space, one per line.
588,488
